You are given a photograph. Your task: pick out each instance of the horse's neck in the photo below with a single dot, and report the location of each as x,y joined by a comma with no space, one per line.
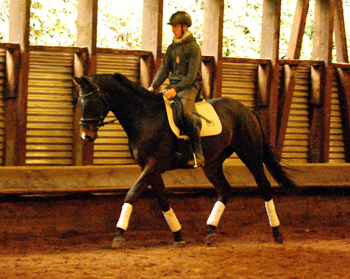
133,111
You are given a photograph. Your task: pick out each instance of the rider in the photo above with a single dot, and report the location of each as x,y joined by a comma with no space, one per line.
183,60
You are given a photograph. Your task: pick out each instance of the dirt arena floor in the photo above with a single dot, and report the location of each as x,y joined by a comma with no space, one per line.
245,253
316,232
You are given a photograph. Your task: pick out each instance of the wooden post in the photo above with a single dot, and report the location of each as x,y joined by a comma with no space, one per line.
321,93
146,70
294,49
212,40
298,28
13,65
87,31
152,29
208,66
340,34
82,151
17,90
343,75
268,76
85,64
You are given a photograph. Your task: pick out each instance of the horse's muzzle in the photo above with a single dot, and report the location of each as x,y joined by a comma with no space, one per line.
88,134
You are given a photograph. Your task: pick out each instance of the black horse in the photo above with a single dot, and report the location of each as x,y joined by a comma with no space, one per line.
156,149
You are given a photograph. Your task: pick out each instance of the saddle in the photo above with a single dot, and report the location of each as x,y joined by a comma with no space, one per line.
204,114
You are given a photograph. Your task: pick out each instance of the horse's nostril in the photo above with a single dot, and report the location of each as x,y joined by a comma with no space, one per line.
86,137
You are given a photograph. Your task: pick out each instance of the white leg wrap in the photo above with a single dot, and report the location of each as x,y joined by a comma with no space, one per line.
123,222
172,220
271,213
215,214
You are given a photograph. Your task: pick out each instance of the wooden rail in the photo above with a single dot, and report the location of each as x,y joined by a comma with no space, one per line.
53,180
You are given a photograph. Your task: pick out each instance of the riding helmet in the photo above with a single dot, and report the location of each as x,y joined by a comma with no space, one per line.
180,18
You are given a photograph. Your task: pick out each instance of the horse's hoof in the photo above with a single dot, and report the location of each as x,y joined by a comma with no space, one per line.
278,238
211,238
180,244
277,235
118,243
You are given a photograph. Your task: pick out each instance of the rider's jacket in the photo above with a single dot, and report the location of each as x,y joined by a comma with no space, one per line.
182,61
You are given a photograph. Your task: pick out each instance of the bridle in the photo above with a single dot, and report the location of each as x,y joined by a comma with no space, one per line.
99,120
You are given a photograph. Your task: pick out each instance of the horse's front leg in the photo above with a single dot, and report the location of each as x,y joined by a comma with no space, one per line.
141,184
169,215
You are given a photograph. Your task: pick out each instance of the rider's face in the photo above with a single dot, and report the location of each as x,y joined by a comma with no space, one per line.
177,31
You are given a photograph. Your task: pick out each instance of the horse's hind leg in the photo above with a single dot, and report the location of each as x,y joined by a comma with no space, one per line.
257,169
214,173
169,215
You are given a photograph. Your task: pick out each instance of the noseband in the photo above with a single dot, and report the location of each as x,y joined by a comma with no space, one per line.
99,120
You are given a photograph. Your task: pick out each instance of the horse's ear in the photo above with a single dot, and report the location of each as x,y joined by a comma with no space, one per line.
80,80
77,80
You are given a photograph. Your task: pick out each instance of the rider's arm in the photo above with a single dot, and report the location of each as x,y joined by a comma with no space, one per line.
163,71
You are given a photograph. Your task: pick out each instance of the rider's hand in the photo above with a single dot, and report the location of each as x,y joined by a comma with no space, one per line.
170,94
150,88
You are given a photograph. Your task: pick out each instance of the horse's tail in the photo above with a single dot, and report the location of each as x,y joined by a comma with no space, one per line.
274,167
277,170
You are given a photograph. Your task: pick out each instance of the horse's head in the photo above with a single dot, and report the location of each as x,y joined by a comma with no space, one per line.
94,108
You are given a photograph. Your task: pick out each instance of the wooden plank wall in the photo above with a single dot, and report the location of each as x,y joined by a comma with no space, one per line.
50,109
295,146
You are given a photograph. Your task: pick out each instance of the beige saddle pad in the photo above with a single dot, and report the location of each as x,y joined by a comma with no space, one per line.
211,124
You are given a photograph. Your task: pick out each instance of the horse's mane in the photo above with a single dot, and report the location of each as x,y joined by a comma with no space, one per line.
108,80
135,87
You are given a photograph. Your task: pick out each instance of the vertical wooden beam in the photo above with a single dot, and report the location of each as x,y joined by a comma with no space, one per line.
82,151
340,34
85,64
269,77
264,87
13,65
152,27
208,66
284,105
146,70
294,49
343,75
320,108
212,39
87,31
17,91
152,32
298,29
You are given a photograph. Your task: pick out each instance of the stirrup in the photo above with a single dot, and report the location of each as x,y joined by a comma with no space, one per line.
195,161
192,162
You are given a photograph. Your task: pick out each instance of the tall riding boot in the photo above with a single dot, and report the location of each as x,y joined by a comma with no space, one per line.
195,141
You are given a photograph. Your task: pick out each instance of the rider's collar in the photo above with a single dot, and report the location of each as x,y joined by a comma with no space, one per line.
183,38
